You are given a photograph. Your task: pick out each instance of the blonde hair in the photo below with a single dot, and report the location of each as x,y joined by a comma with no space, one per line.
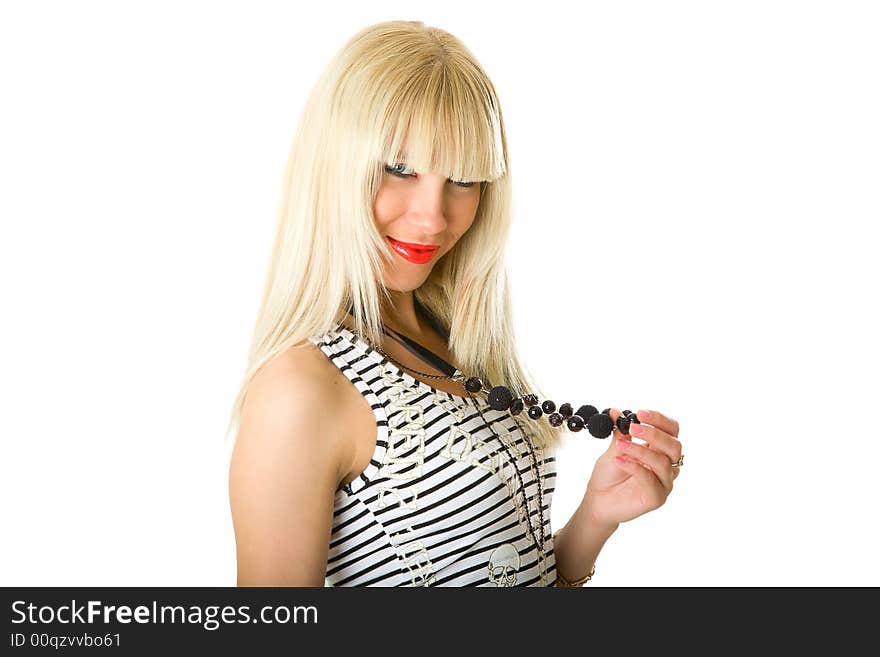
392,82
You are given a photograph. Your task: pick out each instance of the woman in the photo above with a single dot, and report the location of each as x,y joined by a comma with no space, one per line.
361,457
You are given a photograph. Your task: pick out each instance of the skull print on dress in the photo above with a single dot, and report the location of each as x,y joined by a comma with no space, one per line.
504,565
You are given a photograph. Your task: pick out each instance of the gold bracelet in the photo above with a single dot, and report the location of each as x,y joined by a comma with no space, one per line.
562,582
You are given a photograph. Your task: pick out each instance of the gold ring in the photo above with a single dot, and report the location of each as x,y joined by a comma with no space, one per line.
679,462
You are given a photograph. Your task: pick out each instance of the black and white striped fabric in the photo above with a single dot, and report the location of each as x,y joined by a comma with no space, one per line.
440,503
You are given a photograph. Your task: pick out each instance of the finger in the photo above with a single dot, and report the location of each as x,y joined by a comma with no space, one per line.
617,433
657,439
657,419
643,475
652,459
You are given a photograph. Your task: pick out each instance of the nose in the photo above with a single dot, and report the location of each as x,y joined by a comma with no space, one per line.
426,208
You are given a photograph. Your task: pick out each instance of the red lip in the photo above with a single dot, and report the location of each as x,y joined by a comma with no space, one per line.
417,253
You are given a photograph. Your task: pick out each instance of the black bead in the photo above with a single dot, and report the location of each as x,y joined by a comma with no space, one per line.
555,419
575,423
634,418
623,424
516,406
500,398
600,425
530,400
548,406
607,412
473,384
626,412
535,412
565,410
586,411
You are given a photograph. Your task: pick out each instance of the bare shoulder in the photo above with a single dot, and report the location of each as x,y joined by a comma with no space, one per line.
303,366
289,398
285,468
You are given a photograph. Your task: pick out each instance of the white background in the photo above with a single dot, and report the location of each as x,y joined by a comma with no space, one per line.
696,188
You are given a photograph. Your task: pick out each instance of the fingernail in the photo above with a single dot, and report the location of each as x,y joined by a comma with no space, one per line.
636,428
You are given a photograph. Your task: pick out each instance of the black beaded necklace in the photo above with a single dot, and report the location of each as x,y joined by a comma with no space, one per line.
501,398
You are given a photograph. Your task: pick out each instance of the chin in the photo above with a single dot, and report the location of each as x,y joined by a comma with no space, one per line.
408,286
398,282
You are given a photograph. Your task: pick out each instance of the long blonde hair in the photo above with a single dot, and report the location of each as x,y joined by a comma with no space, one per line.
393,81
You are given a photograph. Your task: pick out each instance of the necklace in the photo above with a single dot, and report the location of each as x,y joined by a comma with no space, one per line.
455,375
502,398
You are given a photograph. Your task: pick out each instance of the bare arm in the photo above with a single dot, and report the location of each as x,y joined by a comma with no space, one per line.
283,474
578,544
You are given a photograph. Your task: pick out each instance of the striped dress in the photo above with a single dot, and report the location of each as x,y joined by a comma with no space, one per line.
440,503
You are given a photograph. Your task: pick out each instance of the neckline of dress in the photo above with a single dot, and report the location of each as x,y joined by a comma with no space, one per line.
403,374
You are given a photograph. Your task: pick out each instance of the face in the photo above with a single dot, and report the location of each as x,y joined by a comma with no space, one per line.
415,210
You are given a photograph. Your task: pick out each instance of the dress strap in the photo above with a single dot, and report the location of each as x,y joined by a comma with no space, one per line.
420,351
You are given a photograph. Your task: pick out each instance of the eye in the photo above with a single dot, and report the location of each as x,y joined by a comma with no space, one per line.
395,170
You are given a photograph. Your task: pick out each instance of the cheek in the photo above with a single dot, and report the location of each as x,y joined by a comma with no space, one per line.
383,207
458,227
466,215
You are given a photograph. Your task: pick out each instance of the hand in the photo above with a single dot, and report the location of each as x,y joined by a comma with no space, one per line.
630,479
